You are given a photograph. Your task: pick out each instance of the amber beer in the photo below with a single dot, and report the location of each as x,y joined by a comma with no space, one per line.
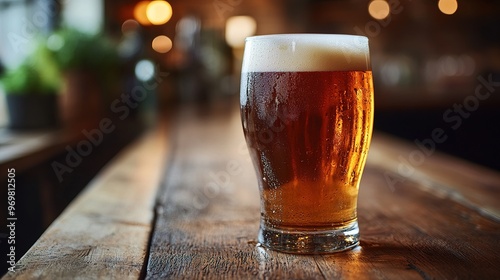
307,113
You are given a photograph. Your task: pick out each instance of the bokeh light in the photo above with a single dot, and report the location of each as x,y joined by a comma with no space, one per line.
159,12
55,42
129,26
161,44
379,9
448,7
238,28
140,12
186,31
144,70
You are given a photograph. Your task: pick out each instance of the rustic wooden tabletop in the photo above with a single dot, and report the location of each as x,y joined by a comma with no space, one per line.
182,202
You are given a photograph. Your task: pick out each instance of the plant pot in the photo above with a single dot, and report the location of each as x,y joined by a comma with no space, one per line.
28,111
81,101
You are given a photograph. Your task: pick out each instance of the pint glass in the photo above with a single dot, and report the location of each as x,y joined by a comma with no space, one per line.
307,114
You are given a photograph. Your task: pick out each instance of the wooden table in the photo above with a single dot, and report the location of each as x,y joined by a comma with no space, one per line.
182,202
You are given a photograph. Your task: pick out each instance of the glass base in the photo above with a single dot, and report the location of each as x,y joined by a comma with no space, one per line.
309,242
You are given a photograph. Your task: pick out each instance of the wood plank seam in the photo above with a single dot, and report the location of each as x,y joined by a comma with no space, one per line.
158,208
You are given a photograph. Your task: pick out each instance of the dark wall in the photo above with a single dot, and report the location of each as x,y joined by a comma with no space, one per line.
474,137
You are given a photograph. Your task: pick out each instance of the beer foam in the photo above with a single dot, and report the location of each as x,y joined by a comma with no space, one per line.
306,52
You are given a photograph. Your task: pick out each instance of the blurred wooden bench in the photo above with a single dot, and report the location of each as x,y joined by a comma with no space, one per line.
105,231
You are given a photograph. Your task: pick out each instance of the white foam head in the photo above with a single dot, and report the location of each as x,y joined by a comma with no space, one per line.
306,52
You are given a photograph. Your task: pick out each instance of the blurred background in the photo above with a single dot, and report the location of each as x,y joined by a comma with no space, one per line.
68,65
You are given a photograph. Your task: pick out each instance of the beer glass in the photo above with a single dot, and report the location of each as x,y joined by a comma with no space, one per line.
307,114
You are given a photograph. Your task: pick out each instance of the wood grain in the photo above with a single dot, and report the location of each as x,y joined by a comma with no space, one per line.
445,176
430,225
104,233
437,222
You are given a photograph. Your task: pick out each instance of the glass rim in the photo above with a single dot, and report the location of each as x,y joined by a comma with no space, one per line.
295,35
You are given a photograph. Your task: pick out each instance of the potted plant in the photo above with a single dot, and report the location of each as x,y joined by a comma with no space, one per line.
31,92
88,64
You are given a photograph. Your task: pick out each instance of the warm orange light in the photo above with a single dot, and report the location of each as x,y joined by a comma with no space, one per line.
140,12
162,44
238,28
448,7
379,9
159,12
